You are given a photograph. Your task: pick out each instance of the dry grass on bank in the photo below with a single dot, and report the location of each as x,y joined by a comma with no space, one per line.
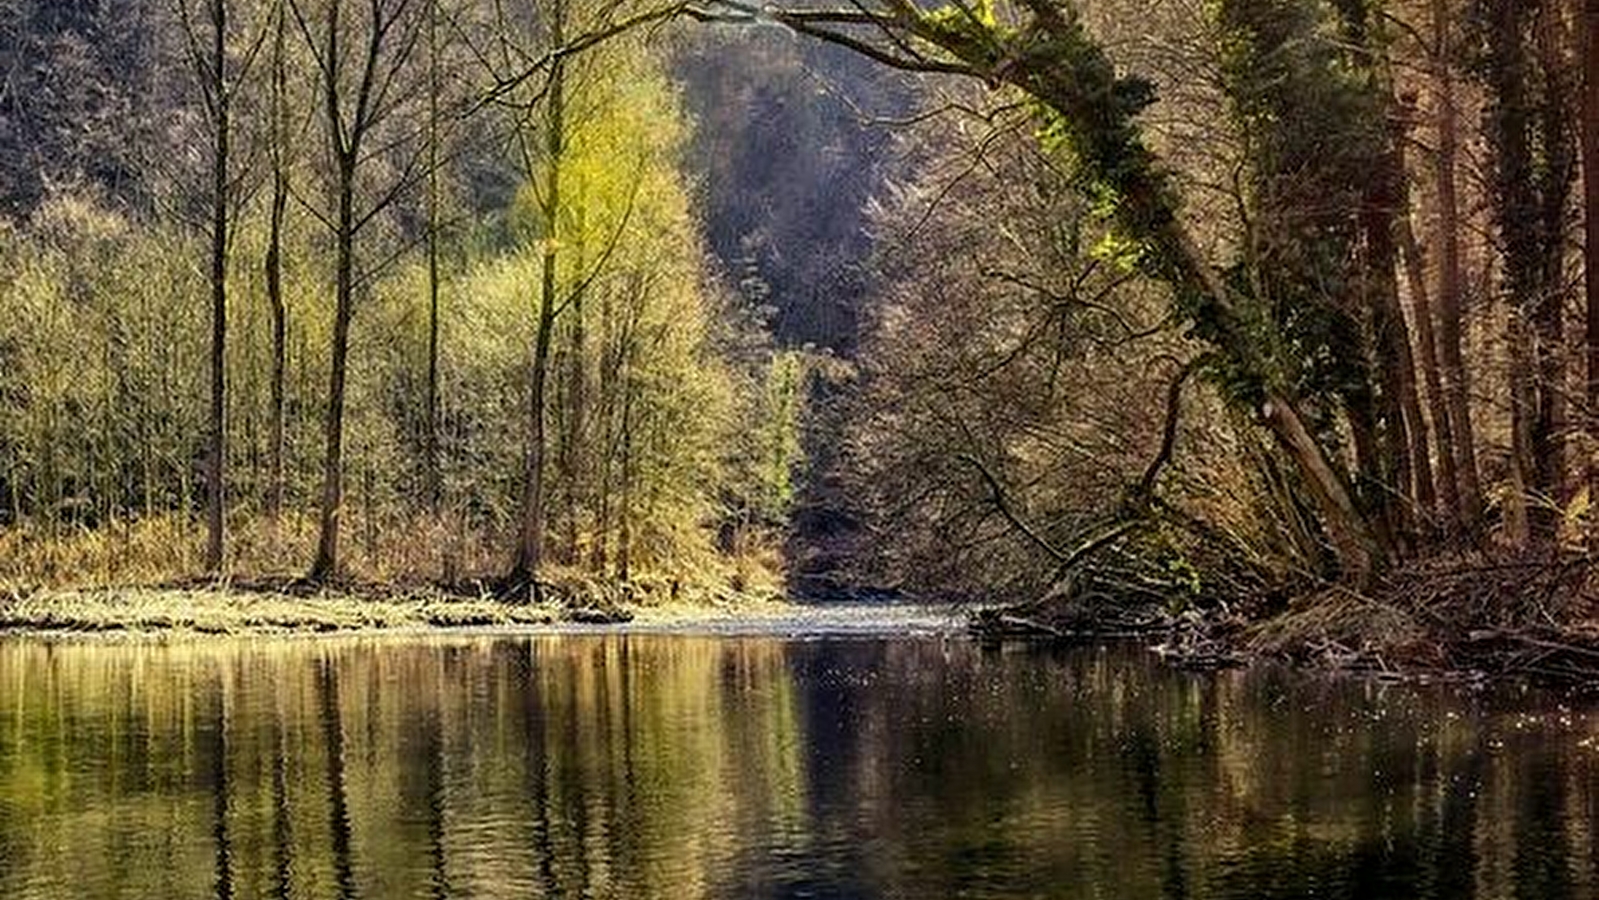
144,576
168,548
230,612
261,609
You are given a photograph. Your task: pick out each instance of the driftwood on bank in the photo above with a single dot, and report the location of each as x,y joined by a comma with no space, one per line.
1477,616
1547,653
1469,617
1075,619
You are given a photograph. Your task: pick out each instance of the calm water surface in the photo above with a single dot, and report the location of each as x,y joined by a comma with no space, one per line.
746,767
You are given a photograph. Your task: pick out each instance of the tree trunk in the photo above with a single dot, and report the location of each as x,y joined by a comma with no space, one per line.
217,451
274,264
1515,212
1590,182
624,539
607,439
530,546
1448,509
1533,162
1518,522
1455,388
525,570
432,476
327,551
575,446
1407,437
280,341
1554,135
274,267
1358,550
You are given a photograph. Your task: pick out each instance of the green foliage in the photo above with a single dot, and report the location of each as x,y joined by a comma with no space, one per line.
104,336
1312,128
767,487
101,368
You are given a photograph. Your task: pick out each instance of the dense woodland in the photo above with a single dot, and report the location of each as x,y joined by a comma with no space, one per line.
1191,300
1232,301
270,266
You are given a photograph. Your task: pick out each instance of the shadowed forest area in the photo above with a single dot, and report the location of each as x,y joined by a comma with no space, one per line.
1267,319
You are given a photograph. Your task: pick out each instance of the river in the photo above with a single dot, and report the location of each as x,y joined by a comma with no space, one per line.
839,764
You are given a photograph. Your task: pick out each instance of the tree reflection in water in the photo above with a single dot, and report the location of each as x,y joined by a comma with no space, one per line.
677,767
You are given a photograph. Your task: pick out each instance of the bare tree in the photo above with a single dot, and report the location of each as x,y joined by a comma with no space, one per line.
219,84
430,453
363,53
278,137
1449,273
1588,35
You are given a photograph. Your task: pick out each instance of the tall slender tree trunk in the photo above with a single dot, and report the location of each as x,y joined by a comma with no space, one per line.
280,341
575,447
1392,235
217,451
624,540
327,551
1555,136
1589,30
1454,377
1528,126
368,110
432,474
1407,439
1519,525
1426,343
607,438
530,544
1515,195
274,268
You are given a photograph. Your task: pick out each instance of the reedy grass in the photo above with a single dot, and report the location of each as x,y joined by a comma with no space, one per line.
144,576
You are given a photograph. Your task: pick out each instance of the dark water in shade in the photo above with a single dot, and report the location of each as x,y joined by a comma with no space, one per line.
682,767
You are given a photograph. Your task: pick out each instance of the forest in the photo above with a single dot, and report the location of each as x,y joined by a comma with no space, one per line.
279,274
1229,311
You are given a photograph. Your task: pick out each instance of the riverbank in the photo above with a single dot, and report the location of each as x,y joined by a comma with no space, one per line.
223,611
1477,616
1465,616
248,610
287,606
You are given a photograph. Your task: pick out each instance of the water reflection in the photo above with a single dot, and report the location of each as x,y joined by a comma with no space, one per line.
655,766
